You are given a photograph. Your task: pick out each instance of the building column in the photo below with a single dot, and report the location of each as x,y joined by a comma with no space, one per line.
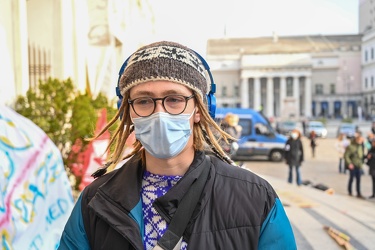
244,93
282,94
270,111
296,95
19,41
257,94
318,107
81,74
308,99
8,52
64,58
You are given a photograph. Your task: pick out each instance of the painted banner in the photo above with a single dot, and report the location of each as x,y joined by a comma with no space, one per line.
35,194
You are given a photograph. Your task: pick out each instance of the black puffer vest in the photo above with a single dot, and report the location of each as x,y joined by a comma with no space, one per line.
229,215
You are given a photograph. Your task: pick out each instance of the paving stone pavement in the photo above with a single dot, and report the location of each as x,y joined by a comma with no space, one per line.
310,210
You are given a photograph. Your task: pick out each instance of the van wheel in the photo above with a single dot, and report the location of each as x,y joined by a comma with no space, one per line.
276,155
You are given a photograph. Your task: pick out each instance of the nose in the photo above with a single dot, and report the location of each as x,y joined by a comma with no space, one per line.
159,106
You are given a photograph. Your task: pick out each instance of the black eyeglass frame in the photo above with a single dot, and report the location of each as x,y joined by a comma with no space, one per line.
187,98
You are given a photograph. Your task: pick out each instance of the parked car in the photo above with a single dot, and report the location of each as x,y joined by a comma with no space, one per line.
347,128
318,127
285,127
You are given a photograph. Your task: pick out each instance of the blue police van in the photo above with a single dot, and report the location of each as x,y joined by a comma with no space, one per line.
258,138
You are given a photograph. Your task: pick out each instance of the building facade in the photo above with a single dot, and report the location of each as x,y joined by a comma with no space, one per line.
297,76
367,27
312,76
80,40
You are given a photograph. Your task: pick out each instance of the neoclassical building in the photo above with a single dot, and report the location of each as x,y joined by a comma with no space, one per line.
297,76
367,28
311,75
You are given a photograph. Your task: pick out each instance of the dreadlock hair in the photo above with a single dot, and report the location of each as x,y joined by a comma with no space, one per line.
119,137
209,132
202,132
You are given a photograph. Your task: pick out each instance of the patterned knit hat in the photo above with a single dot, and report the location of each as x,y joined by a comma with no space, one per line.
165,61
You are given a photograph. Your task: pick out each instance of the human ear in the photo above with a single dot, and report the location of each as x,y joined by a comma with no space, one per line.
197,116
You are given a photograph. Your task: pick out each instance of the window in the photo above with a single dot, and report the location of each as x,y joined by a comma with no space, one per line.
246,125
366,56
366,83
319,89
224,91
372,53
261,129
332,88
289,86
236,91
372,81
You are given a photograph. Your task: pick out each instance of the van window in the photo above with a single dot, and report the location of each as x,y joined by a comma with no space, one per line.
261,129
246,126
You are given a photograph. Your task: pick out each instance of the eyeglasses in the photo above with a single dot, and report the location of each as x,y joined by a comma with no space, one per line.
173,104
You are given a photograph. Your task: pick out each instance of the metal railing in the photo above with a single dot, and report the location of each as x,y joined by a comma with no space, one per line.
39,65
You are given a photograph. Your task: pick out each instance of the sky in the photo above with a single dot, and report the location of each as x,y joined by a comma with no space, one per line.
192,22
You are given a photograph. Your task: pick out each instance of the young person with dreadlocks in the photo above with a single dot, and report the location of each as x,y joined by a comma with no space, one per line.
139,205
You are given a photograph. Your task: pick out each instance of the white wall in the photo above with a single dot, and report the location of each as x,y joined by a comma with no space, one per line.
13,50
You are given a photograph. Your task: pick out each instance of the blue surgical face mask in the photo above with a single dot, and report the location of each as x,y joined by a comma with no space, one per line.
163,135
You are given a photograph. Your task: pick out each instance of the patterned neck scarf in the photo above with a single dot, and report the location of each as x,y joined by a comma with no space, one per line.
153,187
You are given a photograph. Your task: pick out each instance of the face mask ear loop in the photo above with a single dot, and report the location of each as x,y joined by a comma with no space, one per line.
192,113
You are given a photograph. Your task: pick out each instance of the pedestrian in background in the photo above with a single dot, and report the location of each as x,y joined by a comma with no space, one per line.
313,143
340,145
373,127
164,90
354,160
231,126
304,126
371,163
294,155
368,142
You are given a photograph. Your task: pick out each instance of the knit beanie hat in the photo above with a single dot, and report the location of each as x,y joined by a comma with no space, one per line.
165,61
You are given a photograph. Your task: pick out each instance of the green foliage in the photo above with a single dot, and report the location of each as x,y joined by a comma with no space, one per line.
49,106
323,120
64,115
84,117
347,120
